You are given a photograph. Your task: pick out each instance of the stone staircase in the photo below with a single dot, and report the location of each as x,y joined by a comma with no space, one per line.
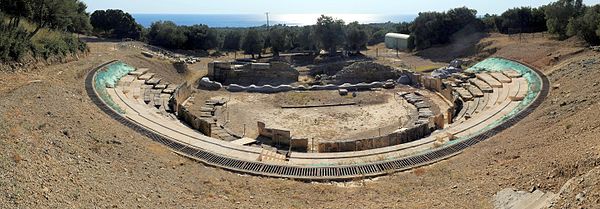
217,131
148,89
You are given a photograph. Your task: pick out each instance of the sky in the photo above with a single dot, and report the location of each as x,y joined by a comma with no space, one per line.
389,7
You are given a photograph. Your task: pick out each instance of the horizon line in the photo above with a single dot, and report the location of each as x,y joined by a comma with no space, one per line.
270,13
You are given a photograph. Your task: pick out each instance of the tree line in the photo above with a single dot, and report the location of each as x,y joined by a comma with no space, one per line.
328,33
563,18
23,19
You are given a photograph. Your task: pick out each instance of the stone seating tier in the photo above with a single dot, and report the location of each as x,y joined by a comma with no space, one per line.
512,73
160,86
139,72
126,80
146,76
476,92
491,113
463,111
464,94
169,90
485,88
490,80
153,81
501,77
523,90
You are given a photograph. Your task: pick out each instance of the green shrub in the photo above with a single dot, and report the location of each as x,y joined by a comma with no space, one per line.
58,46
377,37
115,23
586,26
14,44
433,28
559,13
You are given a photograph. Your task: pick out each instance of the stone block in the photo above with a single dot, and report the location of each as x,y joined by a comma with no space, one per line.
153,81
146,76
476,92
501,77
160,86
483,86
487,78
126,80
464,94
139,72
343,92
511,73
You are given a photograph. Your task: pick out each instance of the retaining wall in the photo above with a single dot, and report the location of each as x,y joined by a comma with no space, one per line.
419,129
179,96
201,124
398,137
275,73
437,85
181,93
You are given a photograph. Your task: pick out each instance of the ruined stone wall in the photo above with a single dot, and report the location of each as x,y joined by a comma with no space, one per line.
274,73
200,124
433,84
398,137
437,85
181,94
329,69
424,126
367,72
280,136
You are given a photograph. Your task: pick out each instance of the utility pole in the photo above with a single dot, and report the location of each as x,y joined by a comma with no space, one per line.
267,14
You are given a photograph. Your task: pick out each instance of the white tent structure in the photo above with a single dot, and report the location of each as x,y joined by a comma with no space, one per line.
396,41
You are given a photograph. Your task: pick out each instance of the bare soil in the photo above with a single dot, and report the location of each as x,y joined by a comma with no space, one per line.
58,150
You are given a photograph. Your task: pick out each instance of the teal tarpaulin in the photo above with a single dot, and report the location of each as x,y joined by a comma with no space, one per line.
109,77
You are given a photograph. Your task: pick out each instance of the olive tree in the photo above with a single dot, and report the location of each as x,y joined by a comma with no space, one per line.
232,41
357,37
559,13
278,38
253,43
330,33
115,23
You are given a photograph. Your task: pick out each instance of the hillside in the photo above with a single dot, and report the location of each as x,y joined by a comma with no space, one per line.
58,150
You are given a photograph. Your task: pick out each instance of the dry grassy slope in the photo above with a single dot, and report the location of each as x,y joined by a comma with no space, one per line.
576,110
57,150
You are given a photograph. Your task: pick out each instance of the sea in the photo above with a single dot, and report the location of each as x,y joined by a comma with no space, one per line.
253,20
